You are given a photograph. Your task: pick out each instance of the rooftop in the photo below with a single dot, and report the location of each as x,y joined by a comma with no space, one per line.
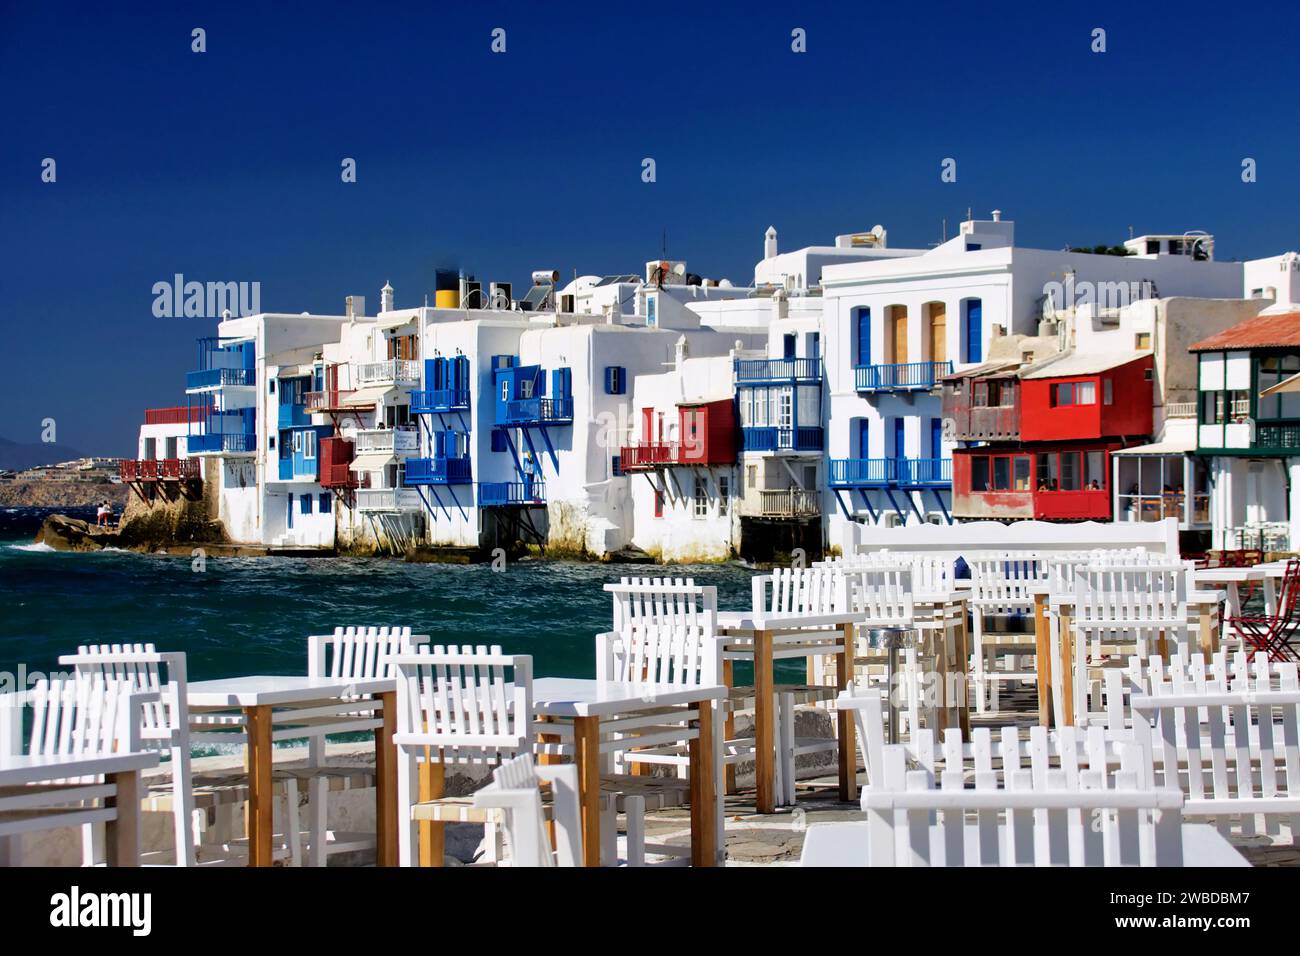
1279,330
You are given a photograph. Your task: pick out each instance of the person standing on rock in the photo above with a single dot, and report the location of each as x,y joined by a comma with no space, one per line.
104,514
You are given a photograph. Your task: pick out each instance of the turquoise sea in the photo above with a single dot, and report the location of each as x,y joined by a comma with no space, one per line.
253,615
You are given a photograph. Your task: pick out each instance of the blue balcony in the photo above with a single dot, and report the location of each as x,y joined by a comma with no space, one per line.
891,472
497,493
228,443
219,378
438,471
773,438
293,416
438,400
778,371
299,469
903,377
538,411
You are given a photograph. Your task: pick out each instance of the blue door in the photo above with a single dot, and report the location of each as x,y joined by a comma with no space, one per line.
900,447
789,346
864,336
935,468
864,438
291,512
815,346
974,330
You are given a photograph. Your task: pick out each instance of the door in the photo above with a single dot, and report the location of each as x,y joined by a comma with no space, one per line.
974,330
864,438
789,345
898,326
938,332
290,513
864,336
934,467
900,447
814,345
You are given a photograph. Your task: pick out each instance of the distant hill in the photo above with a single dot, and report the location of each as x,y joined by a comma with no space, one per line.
15,456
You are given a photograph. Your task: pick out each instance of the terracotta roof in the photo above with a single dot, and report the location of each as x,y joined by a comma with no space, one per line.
1278,330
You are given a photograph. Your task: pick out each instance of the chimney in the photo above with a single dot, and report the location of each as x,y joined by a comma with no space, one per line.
769,242
997,215
354,306
386,298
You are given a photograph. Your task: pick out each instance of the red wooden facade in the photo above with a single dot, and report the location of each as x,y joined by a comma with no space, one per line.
335,459
983,408
1116,402
706,435
1060,481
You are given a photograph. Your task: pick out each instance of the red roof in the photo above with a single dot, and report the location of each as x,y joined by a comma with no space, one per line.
1280,330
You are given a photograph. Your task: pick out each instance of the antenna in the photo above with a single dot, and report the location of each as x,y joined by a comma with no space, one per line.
943,233
1130,232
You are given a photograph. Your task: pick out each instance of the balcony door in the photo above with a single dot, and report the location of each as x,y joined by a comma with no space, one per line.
938,332
897,321
864,336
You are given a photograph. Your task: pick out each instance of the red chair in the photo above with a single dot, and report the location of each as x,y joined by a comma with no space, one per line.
1273,633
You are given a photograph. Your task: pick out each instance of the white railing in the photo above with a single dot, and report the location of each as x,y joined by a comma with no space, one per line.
788,502
395,371
388,499
397,441
1180,410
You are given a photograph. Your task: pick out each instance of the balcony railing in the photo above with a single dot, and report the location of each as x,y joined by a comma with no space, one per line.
393,371
775,438
388,499
438,471
304,470
338,475
886,472
789,503
229,443
906,376
1277,438
329,400
539,411
163,469
440,400
1180,410
177,415
763,371
495,493
219,378
646,455
397,441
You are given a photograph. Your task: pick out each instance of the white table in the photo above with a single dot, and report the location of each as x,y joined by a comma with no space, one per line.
849,844
588,703
47,809
768,637
258,697
1230,579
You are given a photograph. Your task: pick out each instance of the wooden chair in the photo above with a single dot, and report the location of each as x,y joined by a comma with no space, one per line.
69,718
455,705
1226,735
358,653
1066,816
200,804
1002,593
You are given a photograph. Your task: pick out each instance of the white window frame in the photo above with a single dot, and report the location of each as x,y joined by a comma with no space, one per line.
701,498
309,445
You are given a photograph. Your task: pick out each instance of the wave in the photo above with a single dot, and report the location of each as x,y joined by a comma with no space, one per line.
39,547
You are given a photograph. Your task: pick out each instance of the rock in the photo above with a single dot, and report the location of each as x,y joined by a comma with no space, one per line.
73,534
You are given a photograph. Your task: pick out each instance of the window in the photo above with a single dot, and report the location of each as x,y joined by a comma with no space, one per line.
651,311
1001,474
1020,479
297,443
1142,341
979,473
1070,477
505,390
499,442
325,502
701,498
616,466
525,386
1272,370
270,385
1048,478
304,504
1094,470
659,502
1108,392
1074,393
308,444
724,493
810,476
270,443
614,380
785,409
751,476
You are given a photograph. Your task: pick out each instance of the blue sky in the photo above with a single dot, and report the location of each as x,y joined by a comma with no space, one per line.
225,165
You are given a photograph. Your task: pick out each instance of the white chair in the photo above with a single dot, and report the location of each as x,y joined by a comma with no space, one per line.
1227,737
200,805
1068,817
1119,610
355,653
69,718
515,794
1002,592
466,705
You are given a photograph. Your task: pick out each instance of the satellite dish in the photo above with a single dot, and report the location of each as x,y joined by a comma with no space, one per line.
679,269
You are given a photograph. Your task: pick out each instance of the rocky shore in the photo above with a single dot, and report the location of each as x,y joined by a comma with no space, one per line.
62,494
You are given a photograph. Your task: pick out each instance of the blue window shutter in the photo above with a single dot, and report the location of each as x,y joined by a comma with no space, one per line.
864,336
324,502
616,466
936,438
974,330
864,438
499,440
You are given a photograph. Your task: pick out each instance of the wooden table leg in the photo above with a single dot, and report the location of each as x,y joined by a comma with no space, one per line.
261,798
1067,669
1209,642
586,754
386,782
433,784
122,835
848,757
963,657
764,723
1043,659
729,725
704,797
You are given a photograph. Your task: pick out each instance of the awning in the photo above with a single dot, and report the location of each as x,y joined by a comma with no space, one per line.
1169,446
392,321
377,461
369,396
1291,384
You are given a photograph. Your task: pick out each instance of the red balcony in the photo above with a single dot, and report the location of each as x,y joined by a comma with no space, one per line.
335,464
177,415
647,455
166,469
